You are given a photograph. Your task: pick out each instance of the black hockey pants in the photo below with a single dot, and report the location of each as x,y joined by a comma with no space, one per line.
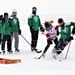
49,42
8,39
34,38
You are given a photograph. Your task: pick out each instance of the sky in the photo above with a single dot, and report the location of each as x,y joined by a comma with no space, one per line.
47,9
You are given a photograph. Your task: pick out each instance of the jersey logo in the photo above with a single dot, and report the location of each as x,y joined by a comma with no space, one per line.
65,30
14,21
35,18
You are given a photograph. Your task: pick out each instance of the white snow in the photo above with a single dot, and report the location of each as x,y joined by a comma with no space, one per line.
47,9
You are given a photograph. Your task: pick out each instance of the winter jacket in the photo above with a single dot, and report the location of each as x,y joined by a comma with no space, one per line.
15,24
34,21
0,26
65,32
6,27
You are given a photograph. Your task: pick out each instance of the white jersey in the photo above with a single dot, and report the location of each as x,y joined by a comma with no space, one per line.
52,33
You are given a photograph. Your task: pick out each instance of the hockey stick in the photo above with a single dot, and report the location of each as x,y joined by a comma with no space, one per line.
39,56
30,44
25,39
68,49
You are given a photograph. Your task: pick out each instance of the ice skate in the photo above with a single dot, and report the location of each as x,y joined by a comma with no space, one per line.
32,48
17,50
53,50
10,52
0,52
3,52
55,55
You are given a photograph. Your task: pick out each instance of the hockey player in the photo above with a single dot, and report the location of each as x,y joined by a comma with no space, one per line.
51,34
16,31
65,34
1,16
34,24
50,21
6,33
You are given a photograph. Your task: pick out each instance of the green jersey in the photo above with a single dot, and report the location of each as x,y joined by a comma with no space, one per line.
66,31
15,24
6,27
34,21
0,26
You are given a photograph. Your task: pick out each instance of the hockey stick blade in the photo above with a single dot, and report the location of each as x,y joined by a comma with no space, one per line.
39,51
37,57
36,50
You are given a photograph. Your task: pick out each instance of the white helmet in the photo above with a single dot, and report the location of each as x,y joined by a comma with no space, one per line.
14,10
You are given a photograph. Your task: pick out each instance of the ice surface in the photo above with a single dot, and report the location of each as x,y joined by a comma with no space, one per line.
47,9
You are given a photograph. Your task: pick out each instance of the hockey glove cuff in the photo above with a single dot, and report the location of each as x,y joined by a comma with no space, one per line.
42,29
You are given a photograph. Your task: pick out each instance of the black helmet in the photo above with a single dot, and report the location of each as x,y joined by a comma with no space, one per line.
47,24
34,8
60,20
5,14
1,16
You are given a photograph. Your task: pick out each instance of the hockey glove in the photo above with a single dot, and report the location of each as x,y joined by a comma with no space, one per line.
73,31
70,38
42,29
19,31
